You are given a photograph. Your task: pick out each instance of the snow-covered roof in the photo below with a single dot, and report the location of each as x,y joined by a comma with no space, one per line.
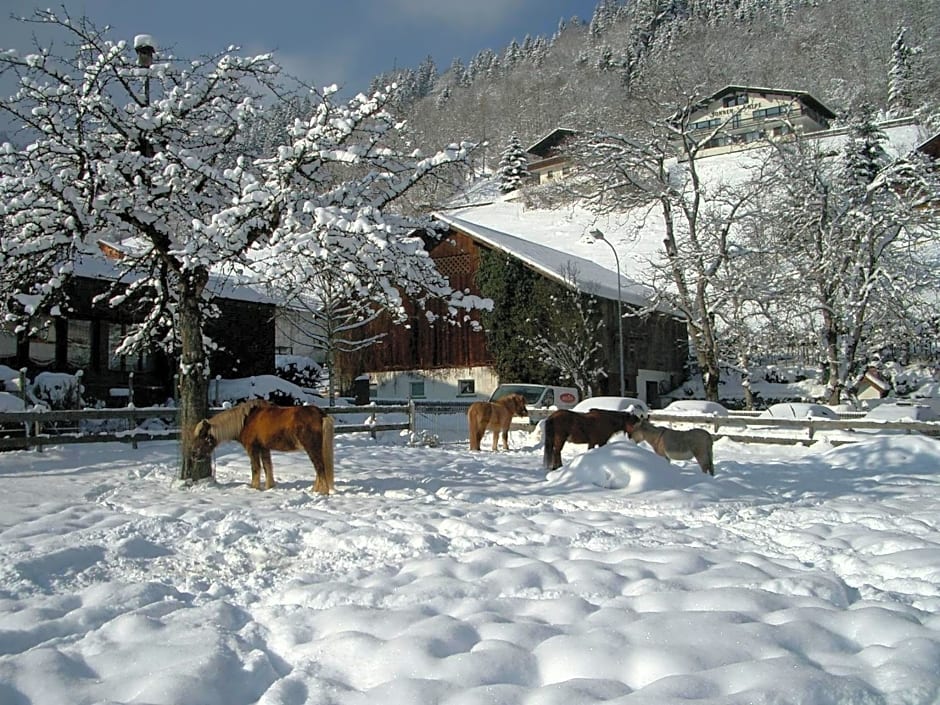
556,242
95,265
550,140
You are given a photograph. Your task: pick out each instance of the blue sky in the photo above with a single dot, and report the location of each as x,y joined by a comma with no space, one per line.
346,42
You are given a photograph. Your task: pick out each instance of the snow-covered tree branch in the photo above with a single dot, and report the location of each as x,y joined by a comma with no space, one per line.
157,160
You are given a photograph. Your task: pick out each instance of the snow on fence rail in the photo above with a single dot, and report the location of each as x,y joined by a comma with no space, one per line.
444,420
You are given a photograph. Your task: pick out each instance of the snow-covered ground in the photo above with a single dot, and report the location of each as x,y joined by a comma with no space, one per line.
433,575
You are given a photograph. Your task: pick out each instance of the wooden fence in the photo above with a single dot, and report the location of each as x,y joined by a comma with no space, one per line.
34,429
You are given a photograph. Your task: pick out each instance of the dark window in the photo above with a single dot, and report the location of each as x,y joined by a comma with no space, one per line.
79,343
138,362
42,344
466,386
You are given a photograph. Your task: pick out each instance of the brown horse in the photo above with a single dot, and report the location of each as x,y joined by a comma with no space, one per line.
676,445
261,427
594,427
496,416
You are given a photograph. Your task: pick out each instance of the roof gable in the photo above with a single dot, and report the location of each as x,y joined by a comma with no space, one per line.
802,96
546,145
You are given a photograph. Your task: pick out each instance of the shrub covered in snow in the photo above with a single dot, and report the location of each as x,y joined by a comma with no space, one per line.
300,370
57,390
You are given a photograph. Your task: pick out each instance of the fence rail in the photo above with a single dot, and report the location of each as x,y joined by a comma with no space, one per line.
35,429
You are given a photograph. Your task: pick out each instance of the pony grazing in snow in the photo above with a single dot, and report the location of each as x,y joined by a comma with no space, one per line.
496,416
594,427
261,427
675,445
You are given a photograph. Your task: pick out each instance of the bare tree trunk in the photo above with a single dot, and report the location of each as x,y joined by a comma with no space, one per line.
194,379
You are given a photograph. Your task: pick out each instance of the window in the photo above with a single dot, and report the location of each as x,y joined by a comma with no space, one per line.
466,386
769,112
729,101
141,361
7,343
706,124
79,343
42,343
417,390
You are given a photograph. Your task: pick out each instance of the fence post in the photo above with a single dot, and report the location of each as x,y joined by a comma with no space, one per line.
412,417
130,403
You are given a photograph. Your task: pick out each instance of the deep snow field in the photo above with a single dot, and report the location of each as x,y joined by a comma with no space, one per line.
433,575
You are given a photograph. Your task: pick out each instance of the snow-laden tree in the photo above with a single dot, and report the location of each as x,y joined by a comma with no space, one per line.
656,169
853,241
147,156
569,335
513,169
903,75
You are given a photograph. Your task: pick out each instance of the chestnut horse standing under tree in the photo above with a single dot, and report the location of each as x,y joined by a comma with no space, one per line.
496,416
594,427
261,427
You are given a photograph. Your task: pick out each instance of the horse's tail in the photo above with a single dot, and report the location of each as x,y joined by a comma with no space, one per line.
548,439
328,433
709,456
476,425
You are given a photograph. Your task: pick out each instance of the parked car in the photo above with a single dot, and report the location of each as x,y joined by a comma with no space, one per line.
695,406
902,411
798,410
539,396
631,404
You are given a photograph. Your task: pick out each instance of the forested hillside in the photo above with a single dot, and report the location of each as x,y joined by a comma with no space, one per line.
605,69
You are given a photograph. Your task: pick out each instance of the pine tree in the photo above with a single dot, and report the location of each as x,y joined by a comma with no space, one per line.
902,74
513,167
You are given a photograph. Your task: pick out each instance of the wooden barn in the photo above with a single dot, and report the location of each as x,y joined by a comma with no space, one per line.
441,360
86,337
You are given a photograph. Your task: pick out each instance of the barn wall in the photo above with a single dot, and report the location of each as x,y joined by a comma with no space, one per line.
654,346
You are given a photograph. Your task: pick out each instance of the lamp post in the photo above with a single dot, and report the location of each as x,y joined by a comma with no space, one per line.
598,235
145,47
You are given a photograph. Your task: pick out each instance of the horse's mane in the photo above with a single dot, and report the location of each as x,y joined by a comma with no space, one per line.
228,424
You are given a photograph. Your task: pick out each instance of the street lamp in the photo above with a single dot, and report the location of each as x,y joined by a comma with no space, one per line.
145,48
598,235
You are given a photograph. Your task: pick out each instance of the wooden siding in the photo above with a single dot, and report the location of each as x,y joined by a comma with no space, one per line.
421,344
655,342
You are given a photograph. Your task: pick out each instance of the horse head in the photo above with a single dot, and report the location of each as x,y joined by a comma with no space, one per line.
630,422
518,405
204,442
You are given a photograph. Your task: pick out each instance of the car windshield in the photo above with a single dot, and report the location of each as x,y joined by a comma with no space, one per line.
531,394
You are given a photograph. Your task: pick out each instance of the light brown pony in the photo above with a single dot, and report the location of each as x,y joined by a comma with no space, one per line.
594,427
673,444
261,427
496,416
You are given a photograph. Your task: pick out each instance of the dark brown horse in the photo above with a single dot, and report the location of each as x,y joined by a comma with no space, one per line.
495,416
594,427
261,427
673,444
